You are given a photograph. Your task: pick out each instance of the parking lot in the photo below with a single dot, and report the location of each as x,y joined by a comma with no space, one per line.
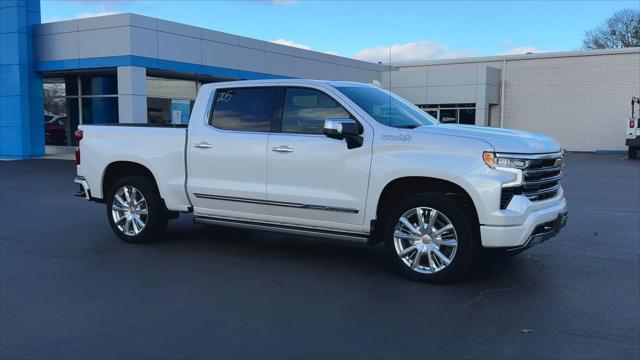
71,289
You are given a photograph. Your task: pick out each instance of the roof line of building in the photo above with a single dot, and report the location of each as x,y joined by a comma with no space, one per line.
517,57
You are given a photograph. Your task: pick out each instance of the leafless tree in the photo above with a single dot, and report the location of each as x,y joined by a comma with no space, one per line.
621,30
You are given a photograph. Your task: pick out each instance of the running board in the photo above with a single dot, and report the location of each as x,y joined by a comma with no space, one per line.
287,229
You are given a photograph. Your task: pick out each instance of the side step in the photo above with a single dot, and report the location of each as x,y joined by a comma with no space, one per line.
287,229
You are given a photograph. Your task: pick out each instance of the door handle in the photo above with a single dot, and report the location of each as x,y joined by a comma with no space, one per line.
203,145
282,149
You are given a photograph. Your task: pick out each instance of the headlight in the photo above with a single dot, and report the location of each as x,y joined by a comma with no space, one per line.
498,161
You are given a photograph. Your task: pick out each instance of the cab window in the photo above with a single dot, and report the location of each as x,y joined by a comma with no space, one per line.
243,109
305,111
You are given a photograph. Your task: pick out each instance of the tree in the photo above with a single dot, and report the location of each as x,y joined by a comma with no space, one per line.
621,30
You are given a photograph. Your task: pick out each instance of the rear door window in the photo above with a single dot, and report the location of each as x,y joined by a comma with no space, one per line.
243,109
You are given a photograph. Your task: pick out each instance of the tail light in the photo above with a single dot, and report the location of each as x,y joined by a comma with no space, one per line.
79,135
632,123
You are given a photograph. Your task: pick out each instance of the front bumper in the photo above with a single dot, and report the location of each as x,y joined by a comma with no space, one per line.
539,225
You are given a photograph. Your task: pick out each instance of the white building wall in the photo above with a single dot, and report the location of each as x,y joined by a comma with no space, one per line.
580,98
581,101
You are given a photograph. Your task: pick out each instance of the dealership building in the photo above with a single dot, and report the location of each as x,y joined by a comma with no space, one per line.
128,68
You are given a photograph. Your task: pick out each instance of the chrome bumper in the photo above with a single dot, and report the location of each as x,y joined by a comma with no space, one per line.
84,192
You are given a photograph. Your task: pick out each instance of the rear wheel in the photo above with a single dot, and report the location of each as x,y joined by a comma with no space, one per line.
632,152
429,238
135,210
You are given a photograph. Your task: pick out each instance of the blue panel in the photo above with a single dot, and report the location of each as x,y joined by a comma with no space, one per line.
12,19
151,63
13,48
11,3
14,141
33,6
36,140
35,85
14,80
36,112
15,111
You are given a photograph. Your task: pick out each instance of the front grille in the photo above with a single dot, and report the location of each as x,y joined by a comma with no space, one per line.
540,181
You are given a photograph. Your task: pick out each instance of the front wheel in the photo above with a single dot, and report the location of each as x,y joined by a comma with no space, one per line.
429,238
135,210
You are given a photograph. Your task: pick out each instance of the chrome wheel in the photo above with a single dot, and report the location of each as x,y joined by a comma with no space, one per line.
129,210
425,240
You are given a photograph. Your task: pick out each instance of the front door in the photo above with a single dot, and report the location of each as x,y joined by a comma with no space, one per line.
314,180
227,157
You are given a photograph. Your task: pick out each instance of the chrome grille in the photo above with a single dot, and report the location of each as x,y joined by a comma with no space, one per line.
540,180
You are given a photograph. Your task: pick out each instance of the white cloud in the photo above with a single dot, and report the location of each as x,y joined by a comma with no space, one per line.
291,43
521,50
90,14
413,51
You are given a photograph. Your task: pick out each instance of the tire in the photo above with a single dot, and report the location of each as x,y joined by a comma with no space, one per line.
632,152
151,220
464,230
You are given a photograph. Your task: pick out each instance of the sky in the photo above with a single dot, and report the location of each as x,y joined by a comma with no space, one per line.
377,30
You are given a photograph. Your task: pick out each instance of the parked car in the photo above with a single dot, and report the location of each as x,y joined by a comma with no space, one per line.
336,159
55,129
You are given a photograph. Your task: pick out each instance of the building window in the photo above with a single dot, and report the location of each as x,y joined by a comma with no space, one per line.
170,101
72,99
452,113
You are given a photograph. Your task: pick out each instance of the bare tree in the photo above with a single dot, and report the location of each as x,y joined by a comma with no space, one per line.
621,30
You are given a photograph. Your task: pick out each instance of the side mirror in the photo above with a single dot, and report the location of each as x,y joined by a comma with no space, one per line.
347,129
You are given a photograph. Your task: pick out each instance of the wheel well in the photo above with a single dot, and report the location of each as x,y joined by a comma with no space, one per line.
119,169
400,188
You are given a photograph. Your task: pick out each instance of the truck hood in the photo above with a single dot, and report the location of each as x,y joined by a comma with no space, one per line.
502,140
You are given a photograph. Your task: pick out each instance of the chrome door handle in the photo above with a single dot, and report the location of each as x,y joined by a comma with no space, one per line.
282,149
203,145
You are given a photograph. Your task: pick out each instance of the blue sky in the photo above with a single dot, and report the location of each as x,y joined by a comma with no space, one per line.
376,30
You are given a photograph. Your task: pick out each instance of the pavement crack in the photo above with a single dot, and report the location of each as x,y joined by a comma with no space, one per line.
485,293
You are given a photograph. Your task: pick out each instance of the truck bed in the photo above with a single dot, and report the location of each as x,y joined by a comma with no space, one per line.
160,148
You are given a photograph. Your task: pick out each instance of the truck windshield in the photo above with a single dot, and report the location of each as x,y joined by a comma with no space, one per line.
386,107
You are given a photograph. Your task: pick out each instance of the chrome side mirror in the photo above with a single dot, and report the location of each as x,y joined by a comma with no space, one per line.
347,129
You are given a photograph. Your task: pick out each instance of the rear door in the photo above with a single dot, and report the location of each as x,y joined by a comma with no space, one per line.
227,155
312,179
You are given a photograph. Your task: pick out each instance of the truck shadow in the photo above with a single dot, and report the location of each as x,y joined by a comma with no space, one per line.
263,249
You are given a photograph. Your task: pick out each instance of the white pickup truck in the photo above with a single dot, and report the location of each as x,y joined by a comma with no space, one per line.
337,159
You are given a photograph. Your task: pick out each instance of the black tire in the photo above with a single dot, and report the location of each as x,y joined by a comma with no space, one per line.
155,219
465,228
632,152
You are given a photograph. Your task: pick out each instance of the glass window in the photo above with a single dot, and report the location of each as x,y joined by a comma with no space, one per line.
54,87
243,109
168,111
305,111
99,110
99,84
171,88
56,129
468,116
448,116
386,107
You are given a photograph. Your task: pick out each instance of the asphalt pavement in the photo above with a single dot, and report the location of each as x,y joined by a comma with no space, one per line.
70,289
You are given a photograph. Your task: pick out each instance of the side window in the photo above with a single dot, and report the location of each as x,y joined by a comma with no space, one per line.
243,109
305,111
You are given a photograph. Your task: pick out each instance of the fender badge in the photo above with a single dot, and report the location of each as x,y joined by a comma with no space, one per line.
400,138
